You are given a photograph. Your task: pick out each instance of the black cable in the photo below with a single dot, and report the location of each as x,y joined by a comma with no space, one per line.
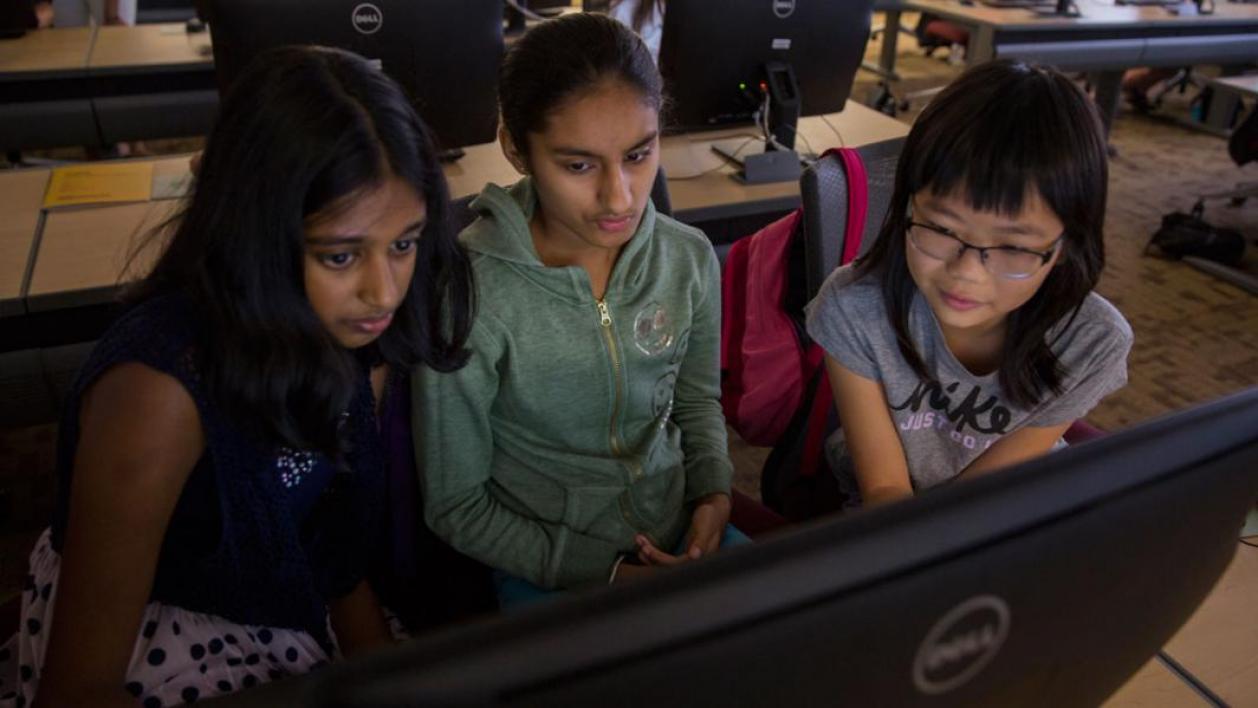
1193,682
1249,543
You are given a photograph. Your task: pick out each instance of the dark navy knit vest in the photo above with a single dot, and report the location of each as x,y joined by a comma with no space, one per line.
233,548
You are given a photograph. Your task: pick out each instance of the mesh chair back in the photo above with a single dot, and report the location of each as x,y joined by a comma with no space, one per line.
824,192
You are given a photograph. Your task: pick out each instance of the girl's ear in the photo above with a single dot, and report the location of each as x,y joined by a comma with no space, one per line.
510,150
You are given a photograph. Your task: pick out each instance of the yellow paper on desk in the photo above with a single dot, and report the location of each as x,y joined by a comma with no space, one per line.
100,183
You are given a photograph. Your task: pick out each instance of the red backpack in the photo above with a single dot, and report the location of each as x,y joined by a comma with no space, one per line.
765,364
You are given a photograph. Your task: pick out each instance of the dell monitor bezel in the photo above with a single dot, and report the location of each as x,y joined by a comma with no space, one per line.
1071,549
706,54
419,43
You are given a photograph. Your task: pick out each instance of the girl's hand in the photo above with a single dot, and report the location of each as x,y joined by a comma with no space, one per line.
650,556
707,525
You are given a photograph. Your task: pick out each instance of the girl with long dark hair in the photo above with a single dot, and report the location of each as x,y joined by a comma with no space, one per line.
220,459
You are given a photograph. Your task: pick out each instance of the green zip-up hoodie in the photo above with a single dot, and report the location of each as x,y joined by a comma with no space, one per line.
577,423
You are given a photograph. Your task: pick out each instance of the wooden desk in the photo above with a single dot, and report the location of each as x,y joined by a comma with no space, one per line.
480,165
1105,39
701,183
1155,686
82,251
1246,85
1219,643
83,86
45,52
169,46
21,196
1104,36
152,81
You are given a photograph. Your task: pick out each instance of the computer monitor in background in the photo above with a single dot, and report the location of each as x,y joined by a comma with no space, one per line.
445,53
1057,8
1064,8
156,11
16,18
1048,584
724,61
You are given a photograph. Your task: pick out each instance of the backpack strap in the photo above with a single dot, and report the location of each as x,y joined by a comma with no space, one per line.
857,203
733,300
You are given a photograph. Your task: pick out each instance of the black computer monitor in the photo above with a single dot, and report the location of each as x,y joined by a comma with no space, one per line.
719,59
445,53
1048,584
16,17
1059,8
1065,8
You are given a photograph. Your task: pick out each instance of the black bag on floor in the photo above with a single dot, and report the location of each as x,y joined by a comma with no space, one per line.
1243,145
1189,235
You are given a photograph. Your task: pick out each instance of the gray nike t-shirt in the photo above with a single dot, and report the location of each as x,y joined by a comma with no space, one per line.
944,426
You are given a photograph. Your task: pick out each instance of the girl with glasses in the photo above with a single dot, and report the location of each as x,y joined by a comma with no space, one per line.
969,338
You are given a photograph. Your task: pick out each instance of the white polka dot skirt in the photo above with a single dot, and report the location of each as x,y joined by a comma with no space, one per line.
179,657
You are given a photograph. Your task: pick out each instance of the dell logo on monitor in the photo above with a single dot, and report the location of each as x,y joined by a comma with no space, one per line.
960,644
784,8
367,18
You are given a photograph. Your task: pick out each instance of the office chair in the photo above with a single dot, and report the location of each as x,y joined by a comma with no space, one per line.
931,33
824,191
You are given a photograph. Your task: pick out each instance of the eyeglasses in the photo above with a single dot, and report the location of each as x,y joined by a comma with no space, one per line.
1009,262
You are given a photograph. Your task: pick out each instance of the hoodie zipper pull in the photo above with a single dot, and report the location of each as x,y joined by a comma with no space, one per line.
604,315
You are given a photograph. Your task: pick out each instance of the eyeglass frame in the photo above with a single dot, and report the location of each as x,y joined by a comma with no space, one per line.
1045,256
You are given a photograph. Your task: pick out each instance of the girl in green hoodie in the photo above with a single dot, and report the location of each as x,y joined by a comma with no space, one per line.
583,442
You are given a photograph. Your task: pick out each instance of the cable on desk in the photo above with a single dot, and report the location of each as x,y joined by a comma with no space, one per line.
1193,682
1249,543
835,130
749,140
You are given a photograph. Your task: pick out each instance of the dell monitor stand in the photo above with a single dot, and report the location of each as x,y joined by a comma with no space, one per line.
778,120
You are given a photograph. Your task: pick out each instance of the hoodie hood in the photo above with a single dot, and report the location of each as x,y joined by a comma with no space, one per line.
501,232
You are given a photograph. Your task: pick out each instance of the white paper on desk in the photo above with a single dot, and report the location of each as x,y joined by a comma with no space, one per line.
171,186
